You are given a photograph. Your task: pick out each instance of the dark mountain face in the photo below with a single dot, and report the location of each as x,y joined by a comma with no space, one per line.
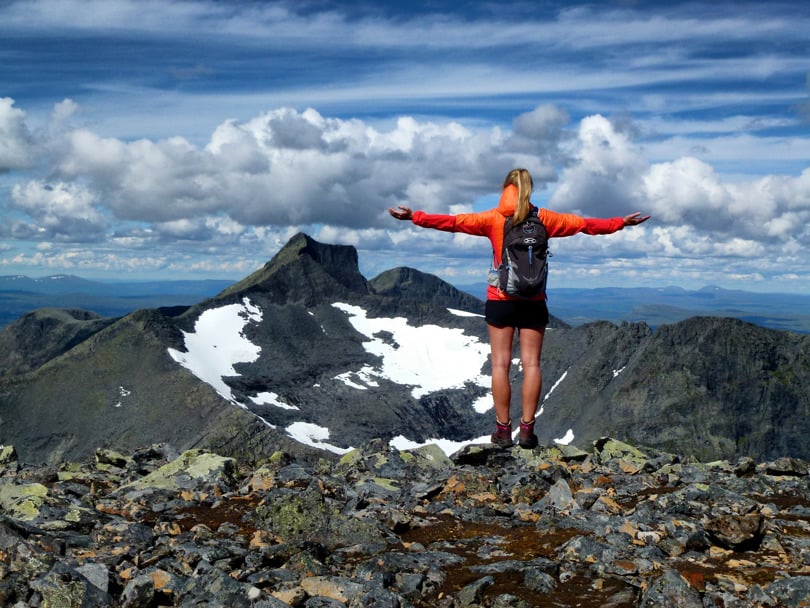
307,356
44,334
716,387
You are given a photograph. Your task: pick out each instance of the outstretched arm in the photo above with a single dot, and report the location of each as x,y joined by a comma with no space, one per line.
479,224
610,225
437,221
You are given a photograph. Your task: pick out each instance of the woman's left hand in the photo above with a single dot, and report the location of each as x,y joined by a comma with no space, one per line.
401,212
634,219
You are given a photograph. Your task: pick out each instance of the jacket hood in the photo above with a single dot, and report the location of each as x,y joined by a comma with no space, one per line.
508,202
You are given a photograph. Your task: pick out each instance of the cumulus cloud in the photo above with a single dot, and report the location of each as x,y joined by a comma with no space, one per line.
16,145
257,182
61,212
289,168
540,131
604,178
610,176
688,190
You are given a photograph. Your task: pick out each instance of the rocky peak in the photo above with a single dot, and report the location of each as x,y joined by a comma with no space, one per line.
412,284
305,270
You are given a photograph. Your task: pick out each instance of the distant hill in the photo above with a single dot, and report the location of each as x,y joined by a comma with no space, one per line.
21,294
654,306
659,306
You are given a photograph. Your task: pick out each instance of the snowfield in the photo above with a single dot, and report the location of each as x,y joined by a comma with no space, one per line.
426,358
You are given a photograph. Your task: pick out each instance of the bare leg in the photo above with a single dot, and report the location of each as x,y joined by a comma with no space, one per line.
500,340
531,346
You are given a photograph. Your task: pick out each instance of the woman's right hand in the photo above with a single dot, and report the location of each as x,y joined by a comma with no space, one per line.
401,212
634,219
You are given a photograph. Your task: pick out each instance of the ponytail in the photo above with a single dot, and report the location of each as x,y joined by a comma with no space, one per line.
523,180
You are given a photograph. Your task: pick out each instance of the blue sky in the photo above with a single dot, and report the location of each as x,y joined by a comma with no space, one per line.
169,139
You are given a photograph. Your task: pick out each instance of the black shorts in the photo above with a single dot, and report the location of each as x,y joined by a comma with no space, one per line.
529,314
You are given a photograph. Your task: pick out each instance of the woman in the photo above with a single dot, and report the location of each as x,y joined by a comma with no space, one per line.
504,313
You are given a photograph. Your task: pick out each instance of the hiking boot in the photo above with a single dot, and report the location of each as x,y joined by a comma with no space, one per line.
526,437
502,437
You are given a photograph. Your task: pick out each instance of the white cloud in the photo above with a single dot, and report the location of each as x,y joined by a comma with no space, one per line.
15,141
605,177
687,190
61,211
211,154
285,171
285,168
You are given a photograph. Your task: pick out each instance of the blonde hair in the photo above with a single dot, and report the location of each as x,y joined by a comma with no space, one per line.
523,180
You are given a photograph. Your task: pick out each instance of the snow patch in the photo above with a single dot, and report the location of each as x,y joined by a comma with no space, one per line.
353,379
314,436
122,394
272,399
463,313
483,404
447,446
428,357
556,384
217,343
569,437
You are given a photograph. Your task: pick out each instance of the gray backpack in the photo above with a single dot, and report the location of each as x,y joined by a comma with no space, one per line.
524,259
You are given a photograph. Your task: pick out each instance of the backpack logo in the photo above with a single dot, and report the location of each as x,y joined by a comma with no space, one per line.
524,258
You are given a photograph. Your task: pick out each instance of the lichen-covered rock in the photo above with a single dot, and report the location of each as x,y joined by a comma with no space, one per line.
192,470
309,516
8,460
69,588
22,501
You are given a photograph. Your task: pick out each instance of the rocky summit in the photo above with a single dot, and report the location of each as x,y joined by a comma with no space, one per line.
610,526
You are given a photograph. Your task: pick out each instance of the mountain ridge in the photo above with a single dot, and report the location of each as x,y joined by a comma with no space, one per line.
306,353
574,306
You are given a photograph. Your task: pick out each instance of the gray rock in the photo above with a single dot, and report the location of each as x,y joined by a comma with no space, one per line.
323,602
537,580
790,592
670,589
384,529
192,470
97,575
139,592
559,497
473,594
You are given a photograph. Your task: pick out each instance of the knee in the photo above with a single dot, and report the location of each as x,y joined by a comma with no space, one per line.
501,365
531,364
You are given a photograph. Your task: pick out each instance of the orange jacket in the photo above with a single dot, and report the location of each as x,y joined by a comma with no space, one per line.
490,224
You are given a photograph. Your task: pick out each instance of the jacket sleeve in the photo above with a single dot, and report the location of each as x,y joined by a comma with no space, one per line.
437,221
468,223
569,224
603,226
